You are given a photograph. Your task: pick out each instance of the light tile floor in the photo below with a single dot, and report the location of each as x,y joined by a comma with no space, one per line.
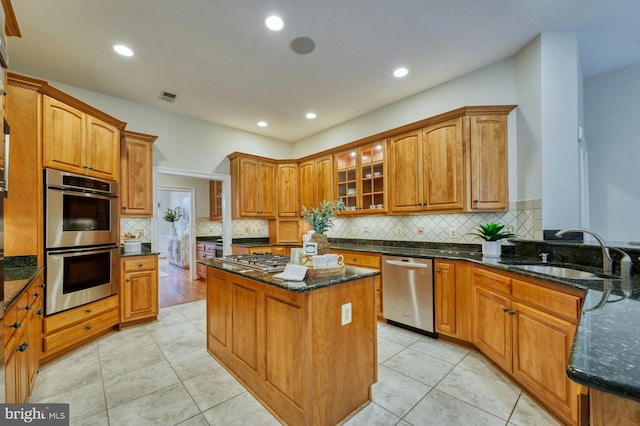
161,374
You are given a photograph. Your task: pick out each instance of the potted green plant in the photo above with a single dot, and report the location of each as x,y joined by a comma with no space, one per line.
172,215
321,220
492,233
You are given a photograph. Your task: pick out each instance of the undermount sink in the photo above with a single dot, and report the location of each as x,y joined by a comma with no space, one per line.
558,271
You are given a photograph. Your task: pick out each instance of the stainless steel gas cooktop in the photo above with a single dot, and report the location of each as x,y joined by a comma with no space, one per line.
260,262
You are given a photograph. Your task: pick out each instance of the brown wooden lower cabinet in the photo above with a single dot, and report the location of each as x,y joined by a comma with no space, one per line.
366,260
23,343
138,289
290,349
527,328
72,328
608,409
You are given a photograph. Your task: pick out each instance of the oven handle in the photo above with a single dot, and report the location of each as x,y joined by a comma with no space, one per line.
87,250
74,191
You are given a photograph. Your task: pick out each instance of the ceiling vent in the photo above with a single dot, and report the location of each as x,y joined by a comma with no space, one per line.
167,96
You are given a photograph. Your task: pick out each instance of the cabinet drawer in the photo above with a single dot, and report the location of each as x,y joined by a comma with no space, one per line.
15,317
209,248
490,280
78,314
201,270
80,332
140,264
553,301
360,259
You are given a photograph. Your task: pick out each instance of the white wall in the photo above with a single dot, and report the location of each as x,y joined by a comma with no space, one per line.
492,85
612,132
559,91
183,143
201,187
529,116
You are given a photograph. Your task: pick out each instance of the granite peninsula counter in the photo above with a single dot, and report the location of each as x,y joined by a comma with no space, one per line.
307,351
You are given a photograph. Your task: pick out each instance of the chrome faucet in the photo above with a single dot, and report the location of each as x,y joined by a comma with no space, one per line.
625,263
607,262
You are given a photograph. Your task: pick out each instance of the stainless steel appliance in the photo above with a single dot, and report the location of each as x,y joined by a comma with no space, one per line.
80,211
77,277
408,292
260,262
81,243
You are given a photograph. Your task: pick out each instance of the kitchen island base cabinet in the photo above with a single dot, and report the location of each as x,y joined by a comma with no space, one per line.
290,349
609,409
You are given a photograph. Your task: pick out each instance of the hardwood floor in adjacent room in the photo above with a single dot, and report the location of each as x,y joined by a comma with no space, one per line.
178,287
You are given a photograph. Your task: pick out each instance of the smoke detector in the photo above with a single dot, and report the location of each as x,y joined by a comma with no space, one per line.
168,96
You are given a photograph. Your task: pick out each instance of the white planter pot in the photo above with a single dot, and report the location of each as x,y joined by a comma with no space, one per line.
491,249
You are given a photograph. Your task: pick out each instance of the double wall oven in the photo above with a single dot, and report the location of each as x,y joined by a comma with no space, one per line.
81,239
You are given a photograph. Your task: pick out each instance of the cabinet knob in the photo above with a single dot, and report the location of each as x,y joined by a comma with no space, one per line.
88,311
22,347
127,280
476,200
15,325
139,265
124,207
88,327
85,167
91,168
505,309
437,270
27,308
43,285
512,313
39,312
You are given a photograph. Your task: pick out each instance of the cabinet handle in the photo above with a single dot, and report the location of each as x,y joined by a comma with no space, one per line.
43,285
139,265
88,327
88,311
505,309
85,167
127,280
476,200
22,347
124,207
512,313
91,168
39,312
15,325
437,270
27,308
36,294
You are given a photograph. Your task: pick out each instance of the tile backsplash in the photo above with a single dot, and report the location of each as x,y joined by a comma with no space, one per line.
523,217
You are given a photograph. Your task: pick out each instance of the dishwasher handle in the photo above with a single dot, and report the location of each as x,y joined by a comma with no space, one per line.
406,264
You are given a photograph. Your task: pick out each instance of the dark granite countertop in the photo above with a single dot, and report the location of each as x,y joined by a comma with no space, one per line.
145,251
209,239
16,280
606,348
309,284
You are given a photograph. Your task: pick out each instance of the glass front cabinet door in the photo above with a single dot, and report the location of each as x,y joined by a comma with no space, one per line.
360,178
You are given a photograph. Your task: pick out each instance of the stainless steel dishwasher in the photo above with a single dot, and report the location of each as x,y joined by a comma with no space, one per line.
407,292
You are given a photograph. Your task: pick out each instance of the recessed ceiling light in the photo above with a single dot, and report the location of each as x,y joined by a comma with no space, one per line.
400,72
311,115
123,50
274,23
263,123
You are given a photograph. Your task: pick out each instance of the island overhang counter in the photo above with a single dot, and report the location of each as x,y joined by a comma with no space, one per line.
306,350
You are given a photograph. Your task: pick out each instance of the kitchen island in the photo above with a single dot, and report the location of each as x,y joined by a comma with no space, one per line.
307,351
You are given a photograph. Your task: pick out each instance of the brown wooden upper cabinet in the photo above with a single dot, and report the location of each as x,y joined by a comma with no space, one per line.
77,142
427,169
253,185
215,200
316,181
288,190
360,178
136,175
489,163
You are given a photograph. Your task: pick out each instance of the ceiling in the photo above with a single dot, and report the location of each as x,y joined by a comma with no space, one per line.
226,67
